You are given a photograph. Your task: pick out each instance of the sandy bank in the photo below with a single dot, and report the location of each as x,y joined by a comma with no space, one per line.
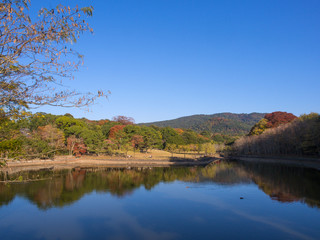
65,163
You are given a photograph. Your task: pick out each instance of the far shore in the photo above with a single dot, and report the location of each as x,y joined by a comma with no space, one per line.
298,161
67,162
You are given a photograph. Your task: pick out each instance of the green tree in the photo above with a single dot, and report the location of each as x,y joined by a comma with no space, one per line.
93,140
109,146
206,134
171,148
65,122
121,139
191,137
218,138
132,130
170,136
151,138
10,147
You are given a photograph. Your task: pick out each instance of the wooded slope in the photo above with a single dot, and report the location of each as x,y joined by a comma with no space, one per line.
301,137
224,123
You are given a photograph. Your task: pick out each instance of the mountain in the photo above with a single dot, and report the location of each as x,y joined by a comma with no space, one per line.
224,123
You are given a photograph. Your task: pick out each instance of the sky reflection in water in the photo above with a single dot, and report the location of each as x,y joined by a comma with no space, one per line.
179,203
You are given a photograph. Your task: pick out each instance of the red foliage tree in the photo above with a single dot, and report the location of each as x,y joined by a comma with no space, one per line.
76,146
136,141
123,120
113,131
79,149
277,118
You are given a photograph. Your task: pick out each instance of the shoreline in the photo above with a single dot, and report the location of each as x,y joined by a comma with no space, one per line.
297,161
68,163
65,162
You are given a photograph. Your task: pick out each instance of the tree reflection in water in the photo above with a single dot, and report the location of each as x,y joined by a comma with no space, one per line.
58,188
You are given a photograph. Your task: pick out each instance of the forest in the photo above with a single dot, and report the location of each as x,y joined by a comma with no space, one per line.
282,134
44,135
223,125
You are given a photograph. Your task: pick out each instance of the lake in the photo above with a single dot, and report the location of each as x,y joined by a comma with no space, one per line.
226,200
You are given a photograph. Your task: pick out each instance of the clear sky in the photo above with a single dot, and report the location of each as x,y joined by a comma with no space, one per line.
164,59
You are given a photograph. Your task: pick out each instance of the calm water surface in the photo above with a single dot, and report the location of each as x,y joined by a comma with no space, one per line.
230,200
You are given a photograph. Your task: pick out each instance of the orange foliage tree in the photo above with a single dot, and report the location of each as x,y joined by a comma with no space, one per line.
114,130
137,141
179,130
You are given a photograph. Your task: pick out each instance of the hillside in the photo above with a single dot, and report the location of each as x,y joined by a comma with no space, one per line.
224,123
300,137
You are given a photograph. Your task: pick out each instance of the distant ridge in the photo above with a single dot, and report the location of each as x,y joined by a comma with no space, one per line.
223,123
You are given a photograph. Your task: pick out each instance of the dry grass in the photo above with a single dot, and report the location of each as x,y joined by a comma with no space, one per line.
152,155
152,158
162,155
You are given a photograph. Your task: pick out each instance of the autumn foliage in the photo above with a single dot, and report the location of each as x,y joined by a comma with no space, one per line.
102,122
271,120
299,137
277,118
114,130
37,55
136,141
79,149
179,130
53,135
46,135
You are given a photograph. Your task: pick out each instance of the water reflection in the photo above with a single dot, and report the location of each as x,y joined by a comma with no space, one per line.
286,183
58,188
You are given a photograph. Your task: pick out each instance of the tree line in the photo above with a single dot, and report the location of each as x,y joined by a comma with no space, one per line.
46,135
282,134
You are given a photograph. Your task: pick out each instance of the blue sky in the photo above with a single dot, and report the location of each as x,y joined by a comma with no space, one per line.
164,59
